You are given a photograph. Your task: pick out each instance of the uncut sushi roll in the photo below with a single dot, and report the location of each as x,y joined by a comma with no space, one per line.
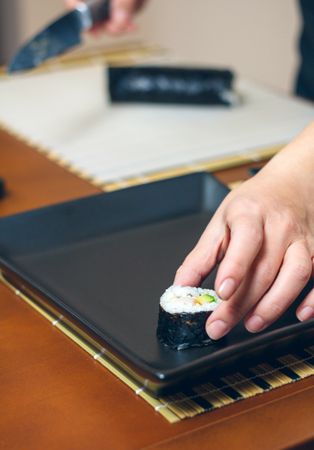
183,313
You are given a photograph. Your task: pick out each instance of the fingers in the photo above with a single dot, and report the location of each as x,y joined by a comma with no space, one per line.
292,277
258,280
71,4
245,243
121,16
264,268
202,259
306,310
240,245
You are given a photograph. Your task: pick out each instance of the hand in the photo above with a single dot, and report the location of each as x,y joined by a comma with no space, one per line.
121,15
263,234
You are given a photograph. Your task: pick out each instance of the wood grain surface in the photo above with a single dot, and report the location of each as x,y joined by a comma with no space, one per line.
53,396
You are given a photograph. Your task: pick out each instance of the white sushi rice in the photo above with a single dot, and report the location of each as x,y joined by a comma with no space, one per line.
181,299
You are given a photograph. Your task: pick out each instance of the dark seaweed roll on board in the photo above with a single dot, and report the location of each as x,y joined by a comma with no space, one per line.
182,316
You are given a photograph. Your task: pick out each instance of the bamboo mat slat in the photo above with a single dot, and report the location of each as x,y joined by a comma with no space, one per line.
206,397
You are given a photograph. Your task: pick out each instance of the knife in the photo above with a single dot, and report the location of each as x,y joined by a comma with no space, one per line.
61,35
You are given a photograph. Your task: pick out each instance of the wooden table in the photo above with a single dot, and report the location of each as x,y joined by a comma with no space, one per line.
53,396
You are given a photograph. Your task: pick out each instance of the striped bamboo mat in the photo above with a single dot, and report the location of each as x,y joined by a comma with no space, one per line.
212,165
190,402
128,54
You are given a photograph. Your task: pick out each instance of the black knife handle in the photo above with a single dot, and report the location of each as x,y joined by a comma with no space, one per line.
99,9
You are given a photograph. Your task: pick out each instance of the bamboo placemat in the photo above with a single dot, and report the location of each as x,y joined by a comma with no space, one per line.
190,402
211,165
129,54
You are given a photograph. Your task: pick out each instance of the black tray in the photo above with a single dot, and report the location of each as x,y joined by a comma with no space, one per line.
105,260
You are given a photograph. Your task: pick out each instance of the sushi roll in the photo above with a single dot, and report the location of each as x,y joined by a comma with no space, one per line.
183,313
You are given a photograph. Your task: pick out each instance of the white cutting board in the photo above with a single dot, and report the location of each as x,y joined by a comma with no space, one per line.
68,111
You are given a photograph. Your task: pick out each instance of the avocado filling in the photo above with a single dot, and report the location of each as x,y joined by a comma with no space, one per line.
205,298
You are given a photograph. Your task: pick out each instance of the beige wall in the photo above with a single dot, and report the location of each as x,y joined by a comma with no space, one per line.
34,13
255,37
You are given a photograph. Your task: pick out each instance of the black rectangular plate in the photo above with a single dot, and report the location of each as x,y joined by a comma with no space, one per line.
107,259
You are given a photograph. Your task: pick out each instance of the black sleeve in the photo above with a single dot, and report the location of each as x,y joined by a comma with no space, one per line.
305,78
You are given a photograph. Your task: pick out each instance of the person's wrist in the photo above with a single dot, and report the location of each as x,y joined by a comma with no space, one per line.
298,156
294,165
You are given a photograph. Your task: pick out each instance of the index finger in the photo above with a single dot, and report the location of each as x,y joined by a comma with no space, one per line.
202,259
246,238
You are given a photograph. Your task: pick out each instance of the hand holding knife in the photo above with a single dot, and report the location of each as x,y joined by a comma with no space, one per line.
61,35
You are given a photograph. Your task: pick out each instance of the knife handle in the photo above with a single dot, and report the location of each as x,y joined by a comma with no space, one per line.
99,10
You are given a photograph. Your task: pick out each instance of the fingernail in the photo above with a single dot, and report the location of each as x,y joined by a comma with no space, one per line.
217,329
226,288
305,313
255,324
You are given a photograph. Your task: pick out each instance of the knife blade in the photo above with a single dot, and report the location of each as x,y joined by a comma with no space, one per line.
61,35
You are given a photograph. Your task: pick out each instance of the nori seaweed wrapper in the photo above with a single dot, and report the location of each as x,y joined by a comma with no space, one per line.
171,85
184,330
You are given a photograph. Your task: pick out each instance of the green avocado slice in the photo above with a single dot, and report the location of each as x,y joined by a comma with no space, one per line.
205,298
